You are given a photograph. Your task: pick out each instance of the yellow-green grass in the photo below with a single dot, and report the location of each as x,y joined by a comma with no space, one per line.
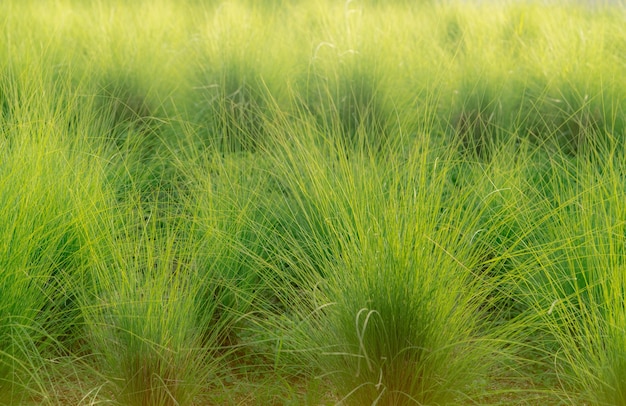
311,202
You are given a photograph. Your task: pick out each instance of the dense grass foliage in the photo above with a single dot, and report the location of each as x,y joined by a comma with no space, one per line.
312,202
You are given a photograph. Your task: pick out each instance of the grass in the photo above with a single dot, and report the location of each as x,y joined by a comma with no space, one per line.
380,340
288,202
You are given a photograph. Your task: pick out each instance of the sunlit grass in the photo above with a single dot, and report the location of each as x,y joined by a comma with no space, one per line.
292,202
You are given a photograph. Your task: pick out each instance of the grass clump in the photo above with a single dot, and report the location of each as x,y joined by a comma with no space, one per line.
571,283
347,100
42,242
142,307
397,317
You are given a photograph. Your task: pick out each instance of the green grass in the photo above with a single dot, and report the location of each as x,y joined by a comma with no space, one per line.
289,202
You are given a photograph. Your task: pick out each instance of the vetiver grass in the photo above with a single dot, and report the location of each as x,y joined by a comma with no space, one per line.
144,306
394,315
295,202
38,230
571,283
46,176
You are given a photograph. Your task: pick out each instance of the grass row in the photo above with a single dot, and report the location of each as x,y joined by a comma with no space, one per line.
311,203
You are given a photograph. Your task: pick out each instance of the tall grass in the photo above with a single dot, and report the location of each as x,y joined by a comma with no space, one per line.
371,202
46,176
395,315
572,278
142,309
38,234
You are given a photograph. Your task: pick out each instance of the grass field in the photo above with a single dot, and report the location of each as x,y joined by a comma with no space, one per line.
312,203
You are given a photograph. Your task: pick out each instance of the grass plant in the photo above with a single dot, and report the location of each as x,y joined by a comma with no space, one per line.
577,274
142,311
292,202
398,299
42,194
